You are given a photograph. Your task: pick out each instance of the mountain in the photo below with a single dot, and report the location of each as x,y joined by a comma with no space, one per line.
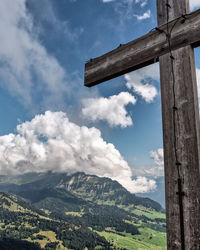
105,191
96,212
22,222
87,187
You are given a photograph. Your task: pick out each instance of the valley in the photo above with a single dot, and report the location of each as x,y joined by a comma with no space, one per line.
78,211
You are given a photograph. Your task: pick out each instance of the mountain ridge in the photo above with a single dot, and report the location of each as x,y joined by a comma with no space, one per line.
90,187
93,211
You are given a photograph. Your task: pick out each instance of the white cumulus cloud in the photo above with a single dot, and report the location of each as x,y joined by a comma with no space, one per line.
110,109
143,185
52,142
158,156
138,82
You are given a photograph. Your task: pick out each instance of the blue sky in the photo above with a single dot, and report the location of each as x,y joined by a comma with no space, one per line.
113,129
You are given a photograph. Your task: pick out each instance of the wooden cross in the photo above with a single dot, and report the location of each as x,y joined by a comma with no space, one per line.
172,45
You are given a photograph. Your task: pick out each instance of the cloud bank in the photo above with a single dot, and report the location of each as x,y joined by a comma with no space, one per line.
144,185
139,80
52,142
110,109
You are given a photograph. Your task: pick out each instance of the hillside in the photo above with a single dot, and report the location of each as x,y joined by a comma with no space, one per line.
88,187
97,210
21,221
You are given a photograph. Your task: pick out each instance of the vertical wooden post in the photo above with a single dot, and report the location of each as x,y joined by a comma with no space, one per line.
187,136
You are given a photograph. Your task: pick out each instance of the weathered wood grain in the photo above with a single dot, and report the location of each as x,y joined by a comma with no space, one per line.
187,137
145,50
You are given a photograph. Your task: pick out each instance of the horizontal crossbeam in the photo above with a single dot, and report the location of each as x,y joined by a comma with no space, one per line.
144,50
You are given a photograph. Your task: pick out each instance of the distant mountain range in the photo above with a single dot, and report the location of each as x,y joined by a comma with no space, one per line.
78,211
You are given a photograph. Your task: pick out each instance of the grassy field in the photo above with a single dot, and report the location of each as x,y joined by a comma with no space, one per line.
149,213
149,239
22,221
140,210
49,236
79,214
